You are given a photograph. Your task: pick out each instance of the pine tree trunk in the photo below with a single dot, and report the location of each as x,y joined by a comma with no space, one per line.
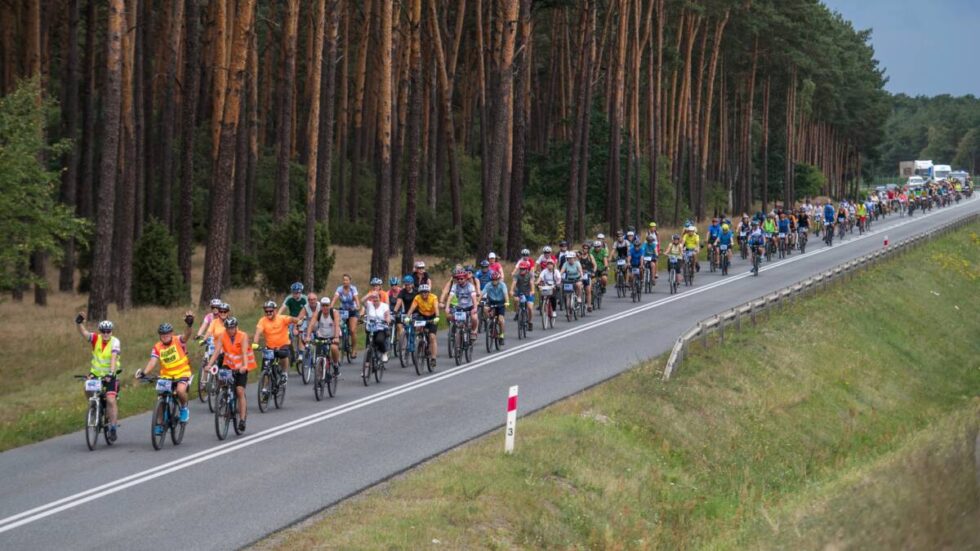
219,234
69,117
285,130
253,140
446,124
382,235
358,130
313,137
522,114
765,145
126,215
414,141
586,123
614,213
169,115
578,146
102,250
325,156
192,73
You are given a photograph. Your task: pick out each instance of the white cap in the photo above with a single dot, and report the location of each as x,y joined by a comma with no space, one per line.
492,255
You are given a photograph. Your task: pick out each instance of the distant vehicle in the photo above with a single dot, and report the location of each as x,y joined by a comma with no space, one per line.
907,169
960,175
941,172
916,181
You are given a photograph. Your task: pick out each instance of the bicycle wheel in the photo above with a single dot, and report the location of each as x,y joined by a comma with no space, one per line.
264,390
522,323
451,340
319,378
496,335
403,358
279,396
176,426
160,412
233,411
458,340
104,423
417,358
92,423
307,371
378,369
490,335
212,390
468,348
368,363
222,418
333,370
568,307
202,383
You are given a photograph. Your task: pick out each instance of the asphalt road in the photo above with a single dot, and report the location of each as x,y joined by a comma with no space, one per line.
205,494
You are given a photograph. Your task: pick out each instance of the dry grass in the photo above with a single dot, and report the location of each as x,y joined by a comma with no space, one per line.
738,445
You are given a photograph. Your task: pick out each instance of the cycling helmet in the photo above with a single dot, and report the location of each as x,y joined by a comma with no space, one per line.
484,264
325,302
408,280
650,238
492,255
546,249
270,304
597,244
231,322
725,227
420,265
571,254
600,236
619,233
586,245
525,252
296,287
688,222
691,228
495,275
630,229
376,281
755,223
215,303
459,275
563,243
105,326
630,234
653,225
675,237
165,328
524,265
424,288
392,281
224,307
468,269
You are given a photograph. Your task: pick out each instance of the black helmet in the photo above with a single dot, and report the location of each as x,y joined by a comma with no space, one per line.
165,328
231,322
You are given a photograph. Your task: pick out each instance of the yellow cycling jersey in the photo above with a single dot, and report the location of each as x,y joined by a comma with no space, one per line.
692,241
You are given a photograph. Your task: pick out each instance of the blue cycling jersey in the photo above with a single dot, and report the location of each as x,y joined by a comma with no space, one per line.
725,238
483,276
714,230
828,213
495,292
636,254
784,225
649,249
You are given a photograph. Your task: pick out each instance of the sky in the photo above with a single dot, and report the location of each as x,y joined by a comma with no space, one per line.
927,47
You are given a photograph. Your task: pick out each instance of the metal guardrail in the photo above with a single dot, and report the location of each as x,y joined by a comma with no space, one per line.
753,308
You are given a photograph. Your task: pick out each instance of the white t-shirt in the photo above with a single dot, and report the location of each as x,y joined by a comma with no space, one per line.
375,315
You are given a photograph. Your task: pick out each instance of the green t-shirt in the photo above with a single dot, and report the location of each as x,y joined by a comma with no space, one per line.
600,257
295,306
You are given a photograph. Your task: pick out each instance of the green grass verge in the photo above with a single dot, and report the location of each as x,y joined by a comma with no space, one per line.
797,411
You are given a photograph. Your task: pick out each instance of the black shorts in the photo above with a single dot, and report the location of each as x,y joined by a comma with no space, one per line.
240,379
430,325
109,384
284,352
497,308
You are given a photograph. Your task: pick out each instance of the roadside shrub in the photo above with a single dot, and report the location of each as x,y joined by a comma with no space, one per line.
156,275
281,251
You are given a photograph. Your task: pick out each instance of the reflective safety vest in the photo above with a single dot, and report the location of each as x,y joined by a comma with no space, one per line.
234,356
102,356
174,363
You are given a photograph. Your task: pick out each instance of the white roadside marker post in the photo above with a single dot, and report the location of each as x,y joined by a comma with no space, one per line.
886,240
511,420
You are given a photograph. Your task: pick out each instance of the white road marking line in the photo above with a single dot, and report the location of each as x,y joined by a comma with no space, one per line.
152,473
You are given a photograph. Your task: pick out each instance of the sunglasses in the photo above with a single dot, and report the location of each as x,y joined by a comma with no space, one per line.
105,332
270,311
223,311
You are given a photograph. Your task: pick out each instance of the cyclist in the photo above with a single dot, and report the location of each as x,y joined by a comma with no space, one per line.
496,295
600,255
674,252
769,226
828,217
105,362
234,352
445,299
212,331
350,302
692,244
784,230
377,319
426,304
274,328
714,230
636,259
743,231
542,260
562,253
651,249
571,271
171,355
393,289
652,231
294,304
209,317
549,277
483,275
325,327
420,276
466,299
495,264
376,284
588,272
862,215
523,286
405,298
757,240
725,239
622,245
842,213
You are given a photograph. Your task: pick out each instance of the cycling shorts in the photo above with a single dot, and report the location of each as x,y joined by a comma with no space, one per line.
430,325
527,297
496,307
109,383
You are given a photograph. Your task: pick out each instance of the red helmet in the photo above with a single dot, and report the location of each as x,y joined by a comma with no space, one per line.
524,265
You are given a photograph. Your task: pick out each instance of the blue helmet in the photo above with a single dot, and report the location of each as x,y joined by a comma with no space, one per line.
408,280
296,287
392,281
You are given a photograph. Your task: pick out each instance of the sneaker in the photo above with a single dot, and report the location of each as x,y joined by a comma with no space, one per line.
158,429
384,358
241,425
185,415
433,360
112,433
530,327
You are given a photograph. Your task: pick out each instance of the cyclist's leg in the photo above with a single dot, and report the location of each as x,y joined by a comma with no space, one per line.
111,406
181,392
241,381
352,324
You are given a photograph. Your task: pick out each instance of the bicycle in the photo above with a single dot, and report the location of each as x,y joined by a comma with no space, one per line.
569,296
492,334
689,268
346,350
461,336
206,386
167,411
756,261
782,245
325,370
743,245
597,291
481,316
373,364
635,288
406,341
421,357
621,278
672,273
801,238
648,275
226,412
547,309
712,257
723,250
272,383
96,419
522,317
770,247
828,237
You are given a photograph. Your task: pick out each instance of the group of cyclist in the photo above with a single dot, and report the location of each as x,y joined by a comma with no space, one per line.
304,320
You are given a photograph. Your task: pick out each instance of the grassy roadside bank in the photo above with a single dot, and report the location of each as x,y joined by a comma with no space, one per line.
829,393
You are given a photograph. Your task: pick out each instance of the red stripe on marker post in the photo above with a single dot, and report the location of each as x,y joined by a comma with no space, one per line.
511,420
